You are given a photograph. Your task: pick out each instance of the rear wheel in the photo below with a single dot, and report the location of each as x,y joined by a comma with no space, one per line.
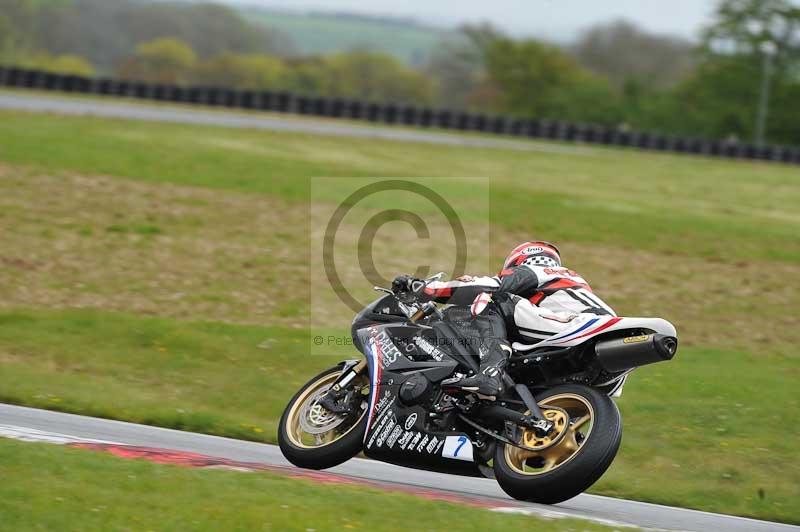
312,437
563,464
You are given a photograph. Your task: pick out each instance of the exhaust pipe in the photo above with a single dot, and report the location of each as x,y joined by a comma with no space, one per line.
625,353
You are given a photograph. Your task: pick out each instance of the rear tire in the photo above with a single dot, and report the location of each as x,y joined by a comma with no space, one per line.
562,471
343,445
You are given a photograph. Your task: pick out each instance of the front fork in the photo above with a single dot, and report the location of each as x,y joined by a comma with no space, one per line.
332,400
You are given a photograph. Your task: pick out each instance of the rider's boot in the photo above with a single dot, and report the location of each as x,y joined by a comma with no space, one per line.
489,381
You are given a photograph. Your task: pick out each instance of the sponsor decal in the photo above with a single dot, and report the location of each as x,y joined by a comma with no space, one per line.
428,348
389,352
439,447
432,445
380,422
458,448
636,339
393,436
385,432
533,250
375,433
385,401
410,420
386,410
405,440
415,441
422,444
564,272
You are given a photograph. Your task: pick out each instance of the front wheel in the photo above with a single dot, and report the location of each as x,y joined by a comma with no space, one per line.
563,464
312,437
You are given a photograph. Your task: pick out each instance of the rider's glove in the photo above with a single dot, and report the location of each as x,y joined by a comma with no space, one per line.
403,284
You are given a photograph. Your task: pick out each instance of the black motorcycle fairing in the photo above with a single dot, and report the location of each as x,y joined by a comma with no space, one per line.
385,309
410,434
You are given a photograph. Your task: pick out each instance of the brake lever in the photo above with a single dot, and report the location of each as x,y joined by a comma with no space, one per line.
437,277
399,297
381,289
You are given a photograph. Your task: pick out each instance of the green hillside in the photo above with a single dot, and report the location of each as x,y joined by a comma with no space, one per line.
318,33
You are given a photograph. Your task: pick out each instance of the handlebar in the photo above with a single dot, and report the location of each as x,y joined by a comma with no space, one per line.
425,282
422,311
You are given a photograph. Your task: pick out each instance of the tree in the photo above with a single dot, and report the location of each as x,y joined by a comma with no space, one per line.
164,60
306,75
17,22
62,64
718,99
622,52
245,71
760,38
536,79
785,126
744,27
456,66
377,77
107,32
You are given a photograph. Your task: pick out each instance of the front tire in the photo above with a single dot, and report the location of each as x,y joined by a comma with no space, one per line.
568,462
311,437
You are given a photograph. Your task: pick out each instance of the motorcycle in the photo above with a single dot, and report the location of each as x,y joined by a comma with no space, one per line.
547,438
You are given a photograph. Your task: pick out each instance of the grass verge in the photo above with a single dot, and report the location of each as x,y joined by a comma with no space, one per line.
719,209
193,253
200,225
685,442
46,487
229,380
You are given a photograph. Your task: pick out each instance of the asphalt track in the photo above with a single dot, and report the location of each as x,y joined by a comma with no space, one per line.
592,507
185,114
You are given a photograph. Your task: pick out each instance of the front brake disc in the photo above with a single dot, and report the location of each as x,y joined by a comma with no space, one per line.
315,418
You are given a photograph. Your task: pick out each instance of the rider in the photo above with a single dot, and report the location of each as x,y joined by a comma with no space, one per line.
531,299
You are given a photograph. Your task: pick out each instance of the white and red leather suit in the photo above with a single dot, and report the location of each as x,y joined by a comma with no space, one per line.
532,298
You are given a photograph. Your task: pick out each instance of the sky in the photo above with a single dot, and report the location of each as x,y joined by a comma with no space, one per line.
559,20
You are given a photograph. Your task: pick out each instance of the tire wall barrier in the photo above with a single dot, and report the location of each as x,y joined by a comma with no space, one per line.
395,114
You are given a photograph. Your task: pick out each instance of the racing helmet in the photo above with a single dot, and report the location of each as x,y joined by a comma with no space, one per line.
535,253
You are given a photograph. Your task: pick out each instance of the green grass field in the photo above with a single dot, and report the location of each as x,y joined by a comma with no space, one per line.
56,488
160,262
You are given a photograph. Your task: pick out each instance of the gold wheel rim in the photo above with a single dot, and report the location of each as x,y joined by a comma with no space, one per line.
573,417
306,406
